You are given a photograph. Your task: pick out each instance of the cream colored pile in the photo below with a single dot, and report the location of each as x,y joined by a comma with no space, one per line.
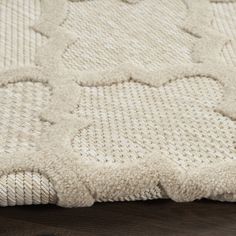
111,100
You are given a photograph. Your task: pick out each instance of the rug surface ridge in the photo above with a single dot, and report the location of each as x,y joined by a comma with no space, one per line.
134,102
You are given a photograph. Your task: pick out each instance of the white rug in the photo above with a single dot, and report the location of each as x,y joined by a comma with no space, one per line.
110,100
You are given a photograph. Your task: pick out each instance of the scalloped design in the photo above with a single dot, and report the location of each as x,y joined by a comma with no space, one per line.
207,48
81,183
130,120
111,32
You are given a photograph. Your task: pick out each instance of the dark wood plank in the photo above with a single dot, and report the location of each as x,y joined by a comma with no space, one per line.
10,227
160,217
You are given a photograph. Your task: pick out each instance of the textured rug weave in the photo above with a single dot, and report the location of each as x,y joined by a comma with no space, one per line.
111,100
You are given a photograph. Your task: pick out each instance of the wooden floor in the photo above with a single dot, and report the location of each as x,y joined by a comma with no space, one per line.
161,217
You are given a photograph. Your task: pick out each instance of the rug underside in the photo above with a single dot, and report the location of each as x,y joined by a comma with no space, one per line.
111,100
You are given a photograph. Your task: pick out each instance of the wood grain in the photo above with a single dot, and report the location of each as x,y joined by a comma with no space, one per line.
160,217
